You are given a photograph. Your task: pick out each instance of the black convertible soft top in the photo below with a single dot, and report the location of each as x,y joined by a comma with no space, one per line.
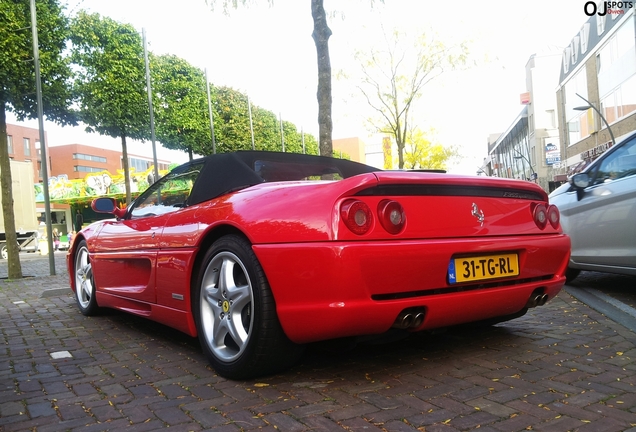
227,172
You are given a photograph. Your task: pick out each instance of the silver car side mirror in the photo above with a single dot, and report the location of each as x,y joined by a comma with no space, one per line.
580,180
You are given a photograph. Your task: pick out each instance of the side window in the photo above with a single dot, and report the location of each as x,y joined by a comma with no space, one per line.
168,194
621,163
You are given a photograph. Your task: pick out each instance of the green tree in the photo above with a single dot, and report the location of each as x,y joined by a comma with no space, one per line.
421,152
18,88
180,104
321,34
111,80
232,126
394,75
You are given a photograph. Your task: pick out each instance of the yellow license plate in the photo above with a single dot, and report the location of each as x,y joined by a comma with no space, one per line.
469,269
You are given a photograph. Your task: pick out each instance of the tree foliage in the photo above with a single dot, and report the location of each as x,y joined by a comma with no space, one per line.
110,83
422,153
394,75
180,104
232,126
18,88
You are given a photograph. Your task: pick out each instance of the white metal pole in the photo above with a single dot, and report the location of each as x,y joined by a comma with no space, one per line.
45,170
152,114
207,85
249,109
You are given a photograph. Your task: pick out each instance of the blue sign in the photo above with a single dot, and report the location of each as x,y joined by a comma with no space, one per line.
552,154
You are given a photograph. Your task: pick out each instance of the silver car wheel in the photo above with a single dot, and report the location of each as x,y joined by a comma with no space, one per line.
226,305
83,278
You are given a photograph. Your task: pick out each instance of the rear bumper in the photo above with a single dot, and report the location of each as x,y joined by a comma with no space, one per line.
326,290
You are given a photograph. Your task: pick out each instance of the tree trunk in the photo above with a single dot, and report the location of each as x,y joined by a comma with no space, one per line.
6,183
124,155
321,35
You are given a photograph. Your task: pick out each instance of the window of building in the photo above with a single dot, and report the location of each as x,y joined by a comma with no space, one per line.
83,168
10,144
27,146
91,158
577,122
600,20
140,165
551,118
616,73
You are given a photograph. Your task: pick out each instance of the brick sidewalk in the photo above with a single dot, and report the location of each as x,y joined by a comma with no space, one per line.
561,367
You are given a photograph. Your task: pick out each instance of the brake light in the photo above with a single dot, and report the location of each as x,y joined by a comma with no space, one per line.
554,216
540,215
391,215
357,216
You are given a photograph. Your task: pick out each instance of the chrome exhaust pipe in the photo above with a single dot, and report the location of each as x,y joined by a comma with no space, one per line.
405,320
533,301
410,318
418,320
542,300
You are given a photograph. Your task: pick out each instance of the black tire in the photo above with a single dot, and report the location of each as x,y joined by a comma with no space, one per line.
235,314
4,252
571,274
84,282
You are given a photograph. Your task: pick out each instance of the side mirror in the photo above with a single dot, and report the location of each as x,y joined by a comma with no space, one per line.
580,181
107,205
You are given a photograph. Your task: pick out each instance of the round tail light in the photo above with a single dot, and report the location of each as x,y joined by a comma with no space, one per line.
391,215
357,216
554,217
540,215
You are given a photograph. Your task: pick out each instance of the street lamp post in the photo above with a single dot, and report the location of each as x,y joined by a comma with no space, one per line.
589,105
523,158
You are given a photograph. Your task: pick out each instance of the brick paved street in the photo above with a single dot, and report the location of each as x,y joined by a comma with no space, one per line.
561,367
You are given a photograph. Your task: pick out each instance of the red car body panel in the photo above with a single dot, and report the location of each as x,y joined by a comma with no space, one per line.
325,291
327,281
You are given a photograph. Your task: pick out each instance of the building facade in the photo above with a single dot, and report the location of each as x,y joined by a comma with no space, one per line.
78,160
73,161
596,95
530,148
353,147
24,145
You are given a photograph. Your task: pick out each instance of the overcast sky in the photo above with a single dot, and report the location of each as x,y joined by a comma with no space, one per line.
268,53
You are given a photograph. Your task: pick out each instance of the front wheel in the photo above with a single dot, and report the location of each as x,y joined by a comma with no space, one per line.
84,282
235,314
5,253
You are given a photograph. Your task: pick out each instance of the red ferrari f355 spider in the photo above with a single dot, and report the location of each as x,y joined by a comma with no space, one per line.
258,253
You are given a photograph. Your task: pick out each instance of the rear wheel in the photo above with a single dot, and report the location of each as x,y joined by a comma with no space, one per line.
235,314
5,253
84,283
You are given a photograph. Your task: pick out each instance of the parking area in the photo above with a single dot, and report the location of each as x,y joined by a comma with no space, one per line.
563,366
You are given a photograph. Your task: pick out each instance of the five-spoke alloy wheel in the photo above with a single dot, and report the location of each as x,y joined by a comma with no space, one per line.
84,283
235,313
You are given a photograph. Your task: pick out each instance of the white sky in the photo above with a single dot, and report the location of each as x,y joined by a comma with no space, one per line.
268,53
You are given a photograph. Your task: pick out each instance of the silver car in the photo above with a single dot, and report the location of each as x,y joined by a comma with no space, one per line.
598,212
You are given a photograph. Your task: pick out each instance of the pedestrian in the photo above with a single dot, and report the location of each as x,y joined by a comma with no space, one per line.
79,221
56,238
70,237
